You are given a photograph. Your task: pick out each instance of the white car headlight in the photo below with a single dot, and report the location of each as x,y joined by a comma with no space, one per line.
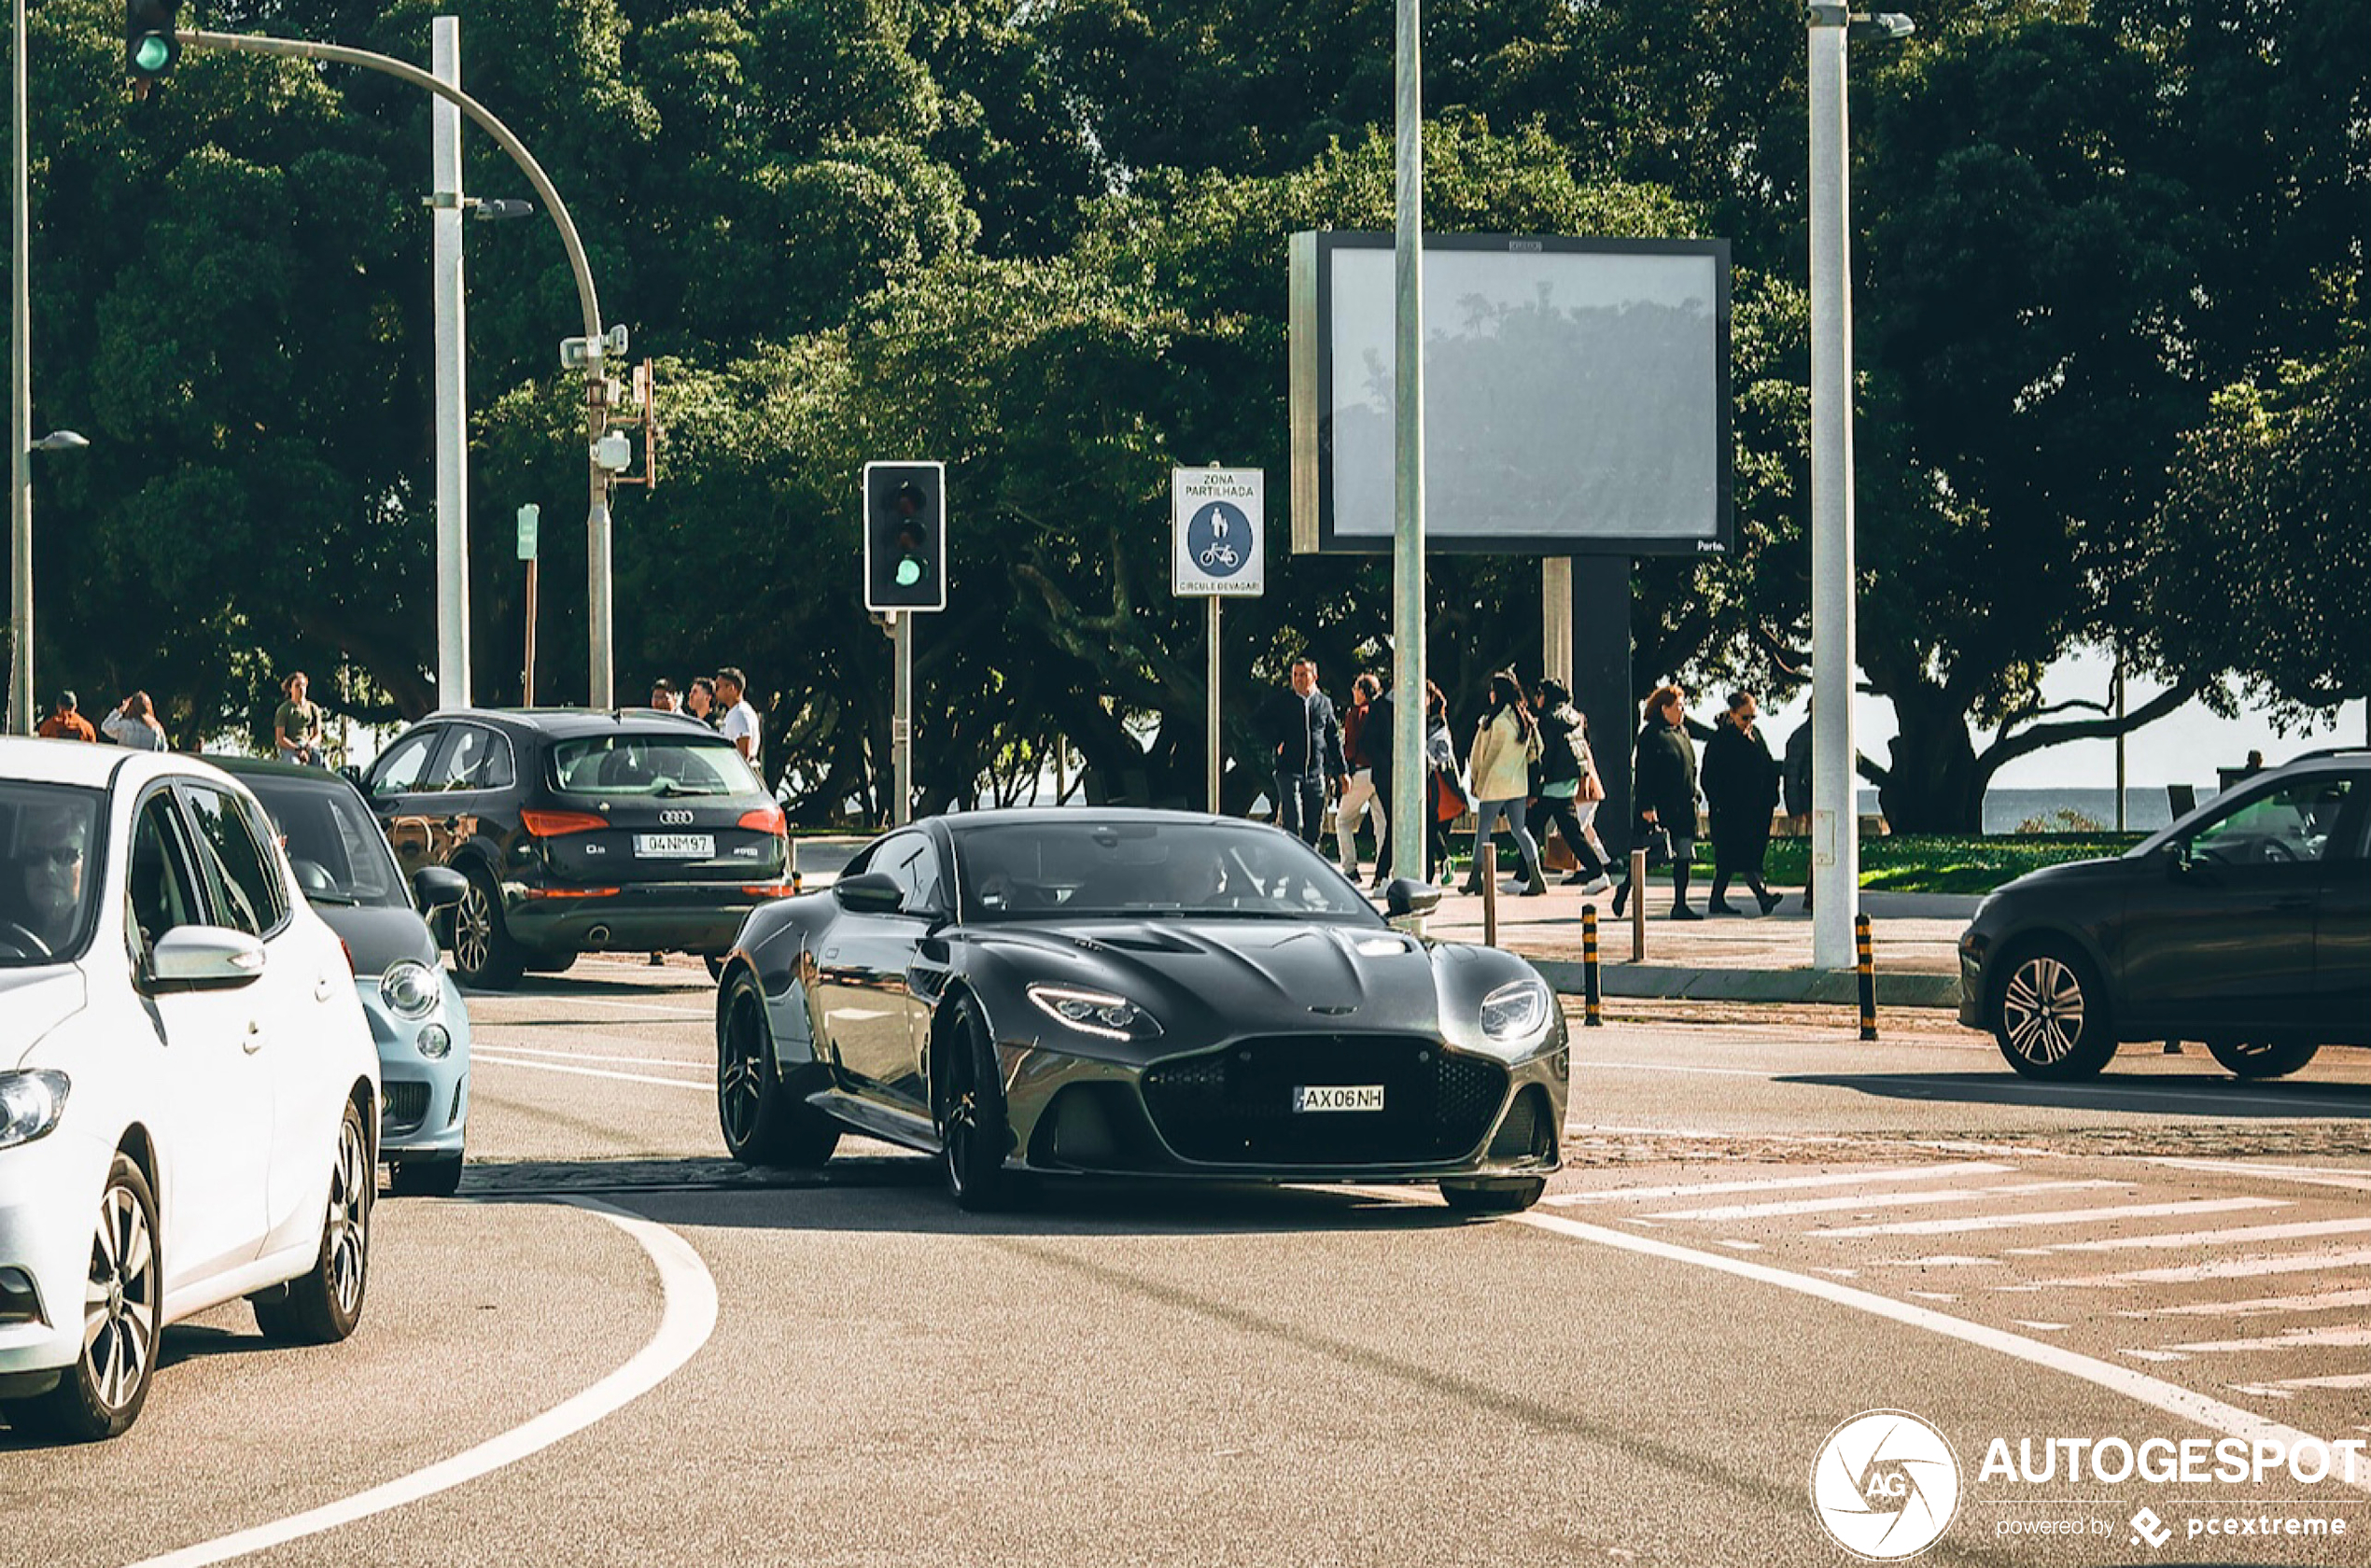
1516,1013
30,1104
410,989
1099,1012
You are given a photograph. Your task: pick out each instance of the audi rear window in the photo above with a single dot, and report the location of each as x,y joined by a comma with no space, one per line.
650,765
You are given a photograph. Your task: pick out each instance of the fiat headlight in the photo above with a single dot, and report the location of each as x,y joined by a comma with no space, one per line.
30,1103
1098,1012
410,989
1516,1013
434,1041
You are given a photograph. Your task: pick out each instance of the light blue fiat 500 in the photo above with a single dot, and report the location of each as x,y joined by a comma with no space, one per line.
417,1018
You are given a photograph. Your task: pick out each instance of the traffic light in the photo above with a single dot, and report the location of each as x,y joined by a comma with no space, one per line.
149,47
904,535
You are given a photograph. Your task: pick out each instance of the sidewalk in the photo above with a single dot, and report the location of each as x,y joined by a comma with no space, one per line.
1914,941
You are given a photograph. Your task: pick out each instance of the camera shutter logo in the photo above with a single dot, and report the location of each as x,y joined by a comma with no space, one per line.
1886,1485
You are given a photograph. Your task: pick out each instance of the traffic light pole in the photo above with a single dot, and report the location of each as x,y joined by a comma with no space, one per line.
21,709
597,409
902,717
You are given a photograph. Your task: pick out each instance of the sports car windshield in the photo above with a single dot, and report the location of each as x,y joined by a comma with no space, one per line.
1081,866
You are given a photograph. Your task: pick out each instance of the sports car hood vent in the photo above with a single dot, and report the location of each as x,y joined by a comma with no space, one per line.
1282,971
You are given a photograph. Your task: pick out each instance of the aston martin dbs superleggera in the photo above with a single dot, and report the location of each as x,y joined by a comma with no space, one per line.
1134,993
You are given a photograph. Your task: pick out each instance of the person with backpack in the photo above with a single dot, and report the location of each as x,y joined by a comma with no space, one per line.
1566,768
1505,743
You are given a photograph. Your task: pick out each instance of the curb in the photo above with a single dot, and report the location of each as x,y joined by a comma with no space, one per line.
1670,984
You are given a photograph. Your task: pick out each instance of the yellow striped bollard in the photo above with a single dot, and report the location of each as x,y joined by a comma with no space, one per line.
1868,974
1592,1013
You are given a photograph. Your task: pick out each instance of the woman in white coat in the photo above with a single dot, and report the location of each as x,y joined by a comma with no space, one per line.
1506,745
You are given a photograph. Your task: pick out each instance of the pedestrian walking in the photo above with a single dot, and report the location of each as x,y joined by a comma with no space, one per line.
296,728
1741,790
1664,782
1795,776
1566,768
1306,739
1506,743
740,723
65,721
1443,782
135,724
1361,794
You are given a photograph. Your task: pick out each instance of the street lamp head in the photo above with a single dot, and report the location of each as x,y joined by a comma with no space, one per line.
497,209
1882,27
62,440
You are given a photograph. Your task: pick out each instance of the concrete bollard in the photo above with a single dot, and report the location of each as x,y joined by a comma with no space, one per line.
1868,975
1486,857
1592,1013
1639,906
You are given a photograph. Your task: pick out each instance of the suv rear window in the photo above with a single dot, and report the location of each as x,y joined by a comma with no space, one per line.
650,765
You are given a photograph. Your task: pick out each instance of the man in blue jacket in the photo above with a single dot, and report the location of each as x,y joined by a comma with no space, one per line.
1300,726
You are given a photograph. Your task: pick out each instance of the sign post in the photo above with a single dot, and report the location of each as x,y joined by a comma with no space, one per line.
529,516
1217,549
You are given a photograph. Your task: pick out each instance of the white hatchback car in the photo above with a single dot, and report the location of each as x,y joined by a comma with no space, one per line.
188,1092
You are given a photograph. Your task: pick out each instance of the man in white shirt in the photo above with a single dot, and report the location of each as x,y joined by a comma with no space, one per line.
740,724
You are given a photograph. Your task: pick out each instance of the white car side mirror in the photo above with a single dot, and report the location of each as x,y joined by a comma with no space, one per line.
205,956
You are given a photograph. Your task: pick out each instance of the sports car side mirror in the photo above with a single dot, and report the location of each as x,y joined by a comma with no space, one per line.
875,892
2176,854
434,886
1407,896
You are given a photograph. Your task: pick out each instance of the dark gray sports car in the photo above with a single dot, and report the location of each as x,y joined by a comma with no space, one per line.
1134,993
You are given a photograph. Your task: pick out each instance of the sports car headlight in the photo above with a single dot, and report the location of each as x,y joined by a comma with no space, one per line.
30,1102
1098,1012
1516,1013
410,989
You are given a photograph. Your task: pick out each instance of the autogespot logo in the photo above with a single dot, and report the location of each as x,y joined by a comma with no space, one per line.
1886,1485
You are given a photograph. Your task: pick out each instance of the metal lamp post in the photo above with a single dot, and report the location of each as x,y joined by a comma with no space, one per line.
1835,837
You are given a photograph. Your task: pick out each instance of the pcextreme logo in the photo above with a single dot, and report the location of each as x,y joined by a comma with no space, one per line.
1884,1485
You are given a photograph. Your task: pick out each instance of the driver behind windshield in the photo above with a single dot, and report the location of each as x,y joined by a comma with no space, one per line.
47,872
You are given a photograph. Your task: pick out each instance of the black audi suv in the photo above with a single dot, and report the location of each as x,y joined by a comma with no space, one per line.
580,831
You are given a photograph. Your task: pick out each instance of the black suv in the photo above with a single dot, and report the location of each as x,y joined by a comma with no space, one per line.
580,831
2246,924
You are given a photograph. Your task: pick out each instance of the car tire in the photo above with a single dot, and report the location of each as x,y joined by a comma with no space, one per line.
425,1178
322,1305
1493,1196
2263,1059
967,1104
763,1122
2050,1015
484,953
101,1394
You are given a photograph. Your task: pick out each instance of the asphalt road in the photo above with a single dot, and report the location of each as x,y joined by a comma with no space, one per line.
1767,1227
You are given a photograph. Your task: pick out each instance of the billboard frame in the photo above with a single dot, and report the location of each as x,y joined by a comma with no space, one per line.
1311,380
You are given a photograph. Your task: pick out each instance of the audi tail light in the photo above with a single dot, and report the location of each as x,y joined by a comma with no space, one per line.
557,824
764,820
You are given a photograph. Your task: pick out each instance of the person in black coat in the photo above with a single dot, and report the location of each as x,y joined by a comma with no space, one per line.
1741,790
1300,725
1663,788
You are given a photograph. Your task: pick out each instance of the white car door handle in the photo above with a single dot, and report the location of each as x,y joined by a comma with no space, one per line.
324,988
254,1042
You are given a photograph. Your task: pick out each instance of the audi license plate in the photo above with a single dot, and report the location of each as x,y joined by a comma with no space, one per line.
676,846
1338,1096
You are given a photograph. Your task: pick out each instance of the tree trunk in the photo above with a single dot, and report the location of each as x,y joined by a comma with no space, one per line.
1933,784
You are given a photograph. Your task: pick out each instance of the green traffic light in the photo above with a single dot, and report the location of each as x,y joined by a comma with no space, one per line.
909,572
153,52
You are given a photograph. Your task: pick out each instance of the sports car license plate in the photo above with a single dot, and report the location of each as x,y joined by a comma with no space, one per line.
1338,1096
676,846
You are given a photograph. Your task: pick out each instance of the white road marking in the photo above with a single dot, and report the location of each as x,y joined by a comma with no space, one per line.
2320,1176
704,1063
1875,1200
707,1086
2322,1301
2341,1380
2294,1231
2155,1393
1933,1295
2228,1268
1938,1260
685,1322
1781,1183
2056,1217
2039,1326
629,1006
2345,1335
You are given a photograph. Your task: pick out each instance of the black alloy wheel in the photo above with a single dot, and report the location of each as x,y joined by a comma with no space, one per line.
2263,1059
322,1305
2050,1015
99,1395
763,1123
484,953
1494,1196
967,1101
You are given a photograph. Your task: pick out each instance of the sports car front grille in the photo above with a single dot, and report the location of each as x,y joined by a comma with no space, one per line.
407,1107
1235,1106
